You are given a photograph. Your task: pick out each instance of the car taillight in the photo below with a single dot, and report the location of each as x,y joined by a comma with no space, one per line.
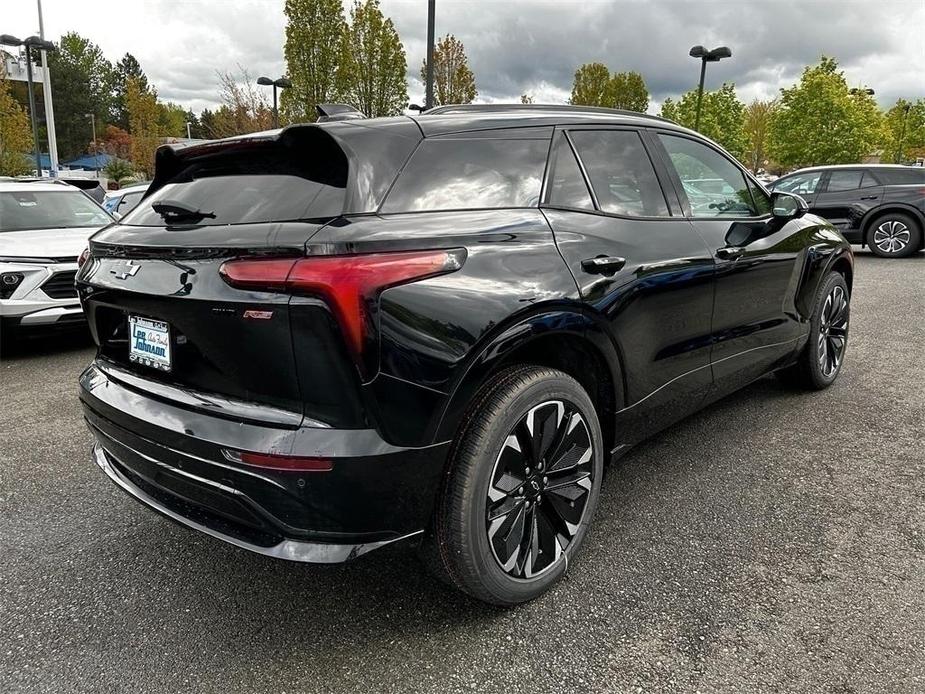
348,283
280,462
82,258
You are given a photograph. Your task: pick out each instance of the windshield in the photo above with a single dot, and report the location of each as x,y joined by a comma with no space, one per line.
27,210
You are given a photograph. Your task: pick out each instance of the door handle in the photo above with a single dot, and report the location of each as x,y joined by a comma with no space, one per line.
869,197
730,252
603,264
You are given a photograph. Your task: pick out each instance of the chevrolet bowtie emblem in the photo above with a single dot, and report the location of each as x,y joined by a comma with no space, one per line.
127,269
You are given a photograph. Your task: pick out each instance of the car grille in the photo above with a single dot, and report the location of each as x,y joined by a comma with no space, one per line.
61,285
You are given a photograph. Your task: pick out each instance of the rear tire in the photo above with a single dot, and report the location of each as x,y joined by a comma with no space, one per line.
521,487
894,235
822,358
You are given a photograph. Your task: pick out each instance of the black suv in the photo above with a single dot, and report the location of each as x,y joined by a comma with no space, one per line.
323,340
875,205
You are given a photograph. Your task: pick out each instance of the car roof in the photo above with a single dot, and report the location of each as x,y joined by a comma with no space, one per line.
443,120
830,167
36,186
126,189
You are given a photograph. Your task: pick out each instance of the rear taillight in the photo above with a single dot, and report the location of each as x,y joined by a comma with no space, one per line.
82,258
349,284
280,462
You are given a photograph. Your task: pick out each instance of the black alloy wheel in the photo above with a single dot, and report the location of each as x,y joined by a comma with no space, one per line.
833,331
521,486
539,489
823,357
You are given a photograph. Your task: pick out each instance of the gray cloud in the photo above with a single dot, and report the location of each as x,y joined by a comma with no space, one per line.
519,46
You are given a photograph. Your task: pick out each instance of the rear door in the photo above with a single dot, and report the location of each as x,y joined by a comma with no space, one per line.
846,195
639,263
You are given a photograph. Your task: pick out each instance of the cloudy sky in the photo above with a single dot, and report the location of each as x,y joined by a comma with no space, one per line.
518,46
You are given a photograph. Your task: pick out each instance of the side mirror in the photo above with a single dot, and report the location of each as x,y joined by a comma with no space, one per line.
788,205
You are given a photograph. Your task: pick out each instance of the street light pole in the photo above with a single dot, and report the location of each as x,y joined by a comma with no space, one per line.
96,150
188,136
281,83
35,122
429,87
705,57
49,105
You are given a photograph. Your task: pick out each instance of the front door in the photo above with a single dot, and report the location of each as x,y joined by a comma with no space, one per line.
640,265
754,322
846,195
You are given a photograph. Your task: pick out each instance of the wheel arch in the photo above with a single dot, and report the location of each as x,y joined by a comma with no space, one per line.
570,340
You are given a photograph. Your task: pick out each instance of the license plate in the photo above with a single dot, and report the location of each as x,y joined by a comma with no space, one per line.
149,342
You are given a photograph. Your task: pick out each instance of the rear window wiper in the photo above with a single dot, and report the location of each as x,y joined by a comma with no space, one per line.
173,211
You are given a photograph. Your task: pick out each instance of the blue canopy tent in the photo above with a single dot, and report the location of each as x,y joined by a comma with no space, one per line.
90,162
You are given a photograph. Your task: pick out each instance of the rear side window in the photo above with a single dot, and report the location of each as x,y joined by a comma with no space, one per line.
844,180
301,177
907,176
567,186
470,173
801,184
621,173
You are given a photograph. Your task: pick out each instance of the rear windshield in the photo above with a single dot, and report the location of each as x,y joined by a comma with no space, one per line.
64,209
913,174
302,177
470,173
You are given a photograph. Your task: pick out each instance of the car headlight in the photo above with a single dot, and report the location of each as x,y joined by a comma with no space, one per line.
8,283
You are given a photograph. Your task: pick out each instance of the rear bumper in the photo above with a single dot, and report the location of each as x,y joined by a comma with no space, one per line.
170,458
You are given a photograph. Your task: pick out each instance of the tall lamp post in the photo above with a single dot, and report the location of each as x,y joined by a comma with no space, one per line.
29,44
705,57
429,75
281,83
902,133
96,150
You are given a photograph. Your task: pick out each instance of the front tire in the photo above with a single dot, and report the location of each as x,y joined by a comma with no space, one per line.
822,358
523,481
895,235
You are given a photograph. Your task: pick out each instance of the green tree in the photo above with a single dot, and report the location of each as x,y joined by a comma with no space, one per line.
454,82
171,119
526,98
627,90
371,72
83,83
905,122
756,127
143,119
118,170
722,116
126,68
314,32
244,109
819,121
15,133
591,86
207,124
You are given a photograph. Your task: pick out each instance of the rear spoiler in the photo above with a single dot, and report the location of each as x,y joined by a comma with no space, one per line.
330,112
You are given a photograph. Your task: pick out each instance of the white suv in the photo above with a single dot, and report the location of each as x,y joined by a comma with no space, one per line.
44,226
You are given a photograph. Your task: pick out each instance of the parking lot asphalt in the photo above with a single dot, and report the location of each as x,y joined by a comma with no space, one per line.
773,542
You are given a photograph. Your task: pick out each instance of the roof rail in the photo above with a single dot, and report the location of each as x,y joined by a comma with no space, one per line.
501,108
330,112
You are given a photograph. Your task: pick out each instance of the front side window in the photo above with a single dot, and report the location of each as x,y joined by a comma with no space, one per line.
567,186
844,180
621,172
715,187
64,209
802,184
462,173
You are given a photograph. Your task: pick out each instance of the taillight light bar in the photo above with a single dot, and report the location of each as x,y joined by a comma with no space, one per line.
348,283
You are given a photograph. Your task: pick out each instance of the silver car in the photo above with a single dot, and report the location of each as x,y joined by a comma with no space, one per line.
44,226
